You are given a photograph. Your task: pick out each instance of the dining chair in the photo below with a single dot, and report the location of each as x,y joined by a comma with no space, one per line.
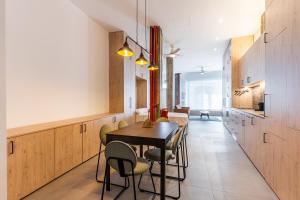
154,156
122,124
122,158
102,135
162,119
183,154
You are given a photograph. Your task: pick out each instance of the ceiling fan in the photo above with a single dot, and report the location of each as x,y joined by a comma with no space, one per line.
173,53
202,71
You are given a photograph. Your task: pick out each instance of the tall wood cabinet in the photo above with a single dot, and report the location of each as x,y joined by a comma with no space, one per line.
122,77
230,74
252,64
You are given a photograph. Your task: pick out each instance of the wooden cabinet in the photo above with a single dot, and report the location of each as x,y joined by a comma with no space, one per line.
278,17
30,163
293,71
252,64
122,77
252,129
90,140
277,60
240,130
230,74
68,148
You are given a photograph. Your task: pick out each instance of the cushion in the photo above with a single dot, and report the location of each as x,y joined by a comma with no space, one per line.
178,107
154,154
141,167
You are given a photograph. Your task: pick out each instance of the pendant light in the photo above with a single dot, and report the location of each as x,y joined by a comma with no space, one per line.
151,67
141,60
125,50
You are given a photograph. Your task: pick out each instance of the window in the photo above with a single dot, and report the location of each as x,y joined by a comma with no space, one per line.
204,94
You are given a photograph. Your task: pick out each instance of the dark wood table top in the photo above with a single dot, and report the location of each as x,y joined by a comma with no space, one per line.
136,134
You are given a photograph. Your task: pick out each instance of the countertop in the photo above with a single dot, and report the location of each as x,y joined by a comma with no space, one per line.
251,112
14,132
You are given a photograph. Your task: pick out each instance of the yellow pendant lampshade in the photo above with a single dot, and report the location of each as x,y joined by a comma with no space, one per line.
152,67
125,50
141,60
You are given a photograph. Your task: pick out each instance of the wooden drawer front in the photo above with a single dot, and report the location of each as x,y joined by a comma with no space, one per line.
30,163
68,148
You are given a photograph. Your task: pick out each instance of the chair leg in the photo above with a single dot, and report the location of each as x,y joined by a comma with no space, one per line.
103,187
186,152
98,164
133,182
178,171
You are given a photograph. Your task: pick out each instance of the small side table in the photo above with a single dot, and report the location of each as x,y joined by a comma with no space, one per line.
204,113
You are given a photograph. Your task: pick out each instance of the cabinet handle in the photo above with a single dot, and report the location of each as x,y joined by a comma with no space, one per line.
252,121
84,128
11,148
243,122
81,128
265,114
265,38
265,141
248,79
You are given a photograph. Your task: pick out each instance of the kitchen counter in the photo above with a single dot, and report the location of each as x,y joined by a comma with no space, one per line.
250,111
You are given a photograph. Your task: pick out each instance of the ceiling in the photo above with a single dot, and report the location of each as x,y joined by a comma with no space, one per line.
201,28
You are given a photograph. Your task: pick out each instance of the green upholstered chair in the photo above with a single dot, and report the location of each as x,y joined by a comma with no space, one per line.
122,158
105,129
122,124
173,152
162,119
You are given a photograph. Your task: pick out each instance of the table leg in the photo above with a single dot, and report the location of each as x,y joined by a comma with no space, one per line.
141,151
163,172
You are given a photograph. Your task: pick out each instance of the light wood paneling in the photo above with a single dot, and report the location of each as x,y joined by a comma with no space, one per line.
68,148
30,163
141,93
116,73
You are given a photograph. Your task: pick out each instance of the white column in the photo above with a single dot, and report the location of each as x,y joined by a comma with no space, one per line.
3,175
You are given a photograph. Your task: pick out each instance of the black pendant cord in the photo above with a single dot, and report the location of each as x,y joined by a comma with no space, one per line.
137,21
145,24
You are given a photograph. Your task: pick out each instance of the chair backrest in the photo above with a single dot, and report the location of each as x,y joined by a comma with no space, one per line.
103,131
162,119
120,157
177,139
122,124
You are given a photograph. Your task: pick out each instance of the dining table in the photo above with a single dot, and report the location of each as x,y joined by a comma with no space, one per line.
158,135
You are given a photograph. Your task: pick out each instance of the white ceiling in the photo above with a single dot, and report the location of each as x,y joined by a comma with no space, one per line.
201,28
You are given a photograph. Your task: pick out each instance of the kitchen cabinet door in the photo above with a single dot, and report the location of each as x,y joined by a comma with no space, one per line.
30,163
273,160
252,128
91,141
240,129
278,17
293,72
68,148
278,54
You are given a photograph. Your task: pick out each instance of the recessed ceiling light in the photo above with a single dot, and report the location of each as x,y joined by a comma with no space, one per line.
220,20
215,49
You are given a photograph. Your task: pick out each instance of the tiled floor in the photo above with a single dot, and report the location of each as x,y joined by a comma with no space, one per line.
219,170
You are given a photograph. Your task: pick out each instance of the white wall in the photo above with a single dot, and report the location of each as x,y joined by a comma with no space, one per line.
2,108
57,62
